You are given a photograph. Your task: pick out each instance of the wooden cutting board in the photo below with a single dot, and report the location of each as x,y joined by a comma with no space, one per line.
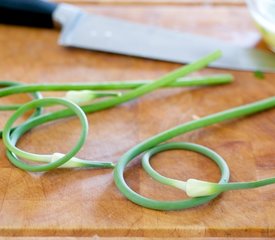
87,202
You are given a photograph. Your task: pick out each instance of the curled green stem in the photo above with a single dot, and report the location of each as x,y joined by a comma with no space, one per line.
14,151
152,142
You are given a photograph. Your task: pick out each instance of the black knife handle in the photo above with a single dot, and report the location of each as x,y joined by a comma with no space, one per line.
34,13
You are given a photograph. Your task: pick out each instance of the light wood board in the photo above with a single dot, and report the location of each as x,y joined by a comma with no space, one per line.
87,202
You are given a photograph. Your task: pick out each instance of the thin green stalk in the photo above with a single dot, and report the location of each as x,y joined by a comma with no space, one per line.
123,85
10,108
77,162
198,188
246,185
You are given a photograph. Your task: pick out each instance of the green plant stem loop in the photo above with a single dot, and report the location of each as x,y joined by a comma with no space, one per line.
9,138
183,146
169,134
167,205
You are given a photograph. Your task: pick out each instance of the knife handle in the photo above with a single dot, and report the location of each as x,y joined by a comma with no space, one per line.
34,13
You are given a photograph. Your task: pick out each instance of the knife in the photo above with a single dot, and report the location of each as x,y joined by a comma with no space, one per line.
106,34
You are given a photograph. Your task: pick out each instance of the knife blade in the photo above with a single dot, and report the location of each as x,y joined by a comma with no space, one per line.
100,33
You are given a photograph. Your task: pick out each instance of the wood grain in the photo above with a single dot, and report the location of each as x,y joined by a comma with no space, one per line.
87,202
114,238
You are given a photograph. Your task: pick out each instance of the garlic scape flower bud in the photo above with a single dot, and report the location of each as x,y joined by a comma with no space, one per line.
198,188
85,96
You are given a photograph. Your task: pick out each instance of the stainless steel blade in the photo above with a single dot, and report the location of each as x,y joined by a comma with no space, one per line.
122,37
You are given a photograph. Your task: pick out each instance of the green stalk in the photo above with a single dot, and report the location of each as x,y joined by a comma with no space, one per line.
198,188
245,185
10,108
126,85
77,162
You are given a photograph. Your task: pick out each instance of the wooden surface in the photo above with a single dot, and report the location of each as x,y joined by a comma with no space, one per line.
87,202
